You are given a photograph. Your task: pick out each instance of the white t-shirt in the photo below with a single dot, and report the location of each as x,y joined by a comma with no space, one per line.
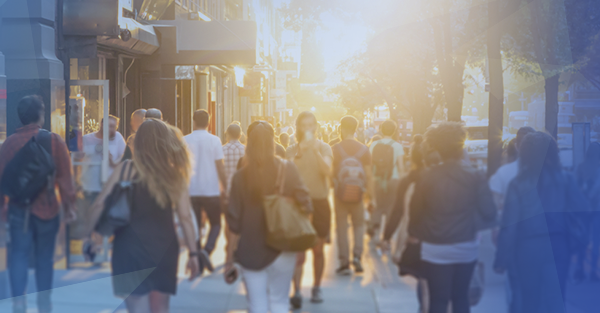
91,178
463,252
504,175
205,148
398,152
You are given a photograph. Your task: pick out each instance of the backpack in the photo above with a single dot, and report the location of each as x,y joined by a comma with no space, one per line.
30,171
351,180
383,160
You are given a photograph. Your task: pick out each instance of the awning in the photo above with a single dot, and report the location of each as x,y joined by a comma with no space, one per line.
143,38
184,42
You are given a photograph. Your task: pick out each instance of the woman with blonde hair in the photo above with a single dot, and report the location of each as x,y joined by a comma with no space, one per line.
146,251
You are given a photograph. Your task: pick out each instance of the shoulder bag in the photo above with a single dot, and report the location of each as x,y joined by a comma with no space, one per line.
117,206
288,228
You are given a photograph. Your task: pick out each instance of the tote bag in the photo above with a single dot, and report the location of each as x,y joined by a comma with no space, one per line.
288,228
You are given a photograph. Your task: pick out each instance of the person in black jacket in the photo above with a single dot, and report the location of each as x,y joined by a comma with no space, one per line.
538,234
450,204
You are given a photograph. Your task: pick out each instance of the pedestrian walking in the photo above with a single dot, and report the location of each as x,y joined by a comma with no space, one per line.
588,179
388,165
450,204
137,118
208,183
91,173
233,151
33,217
313,158
352,180
267,273
284,140
146,251
499,183
537,226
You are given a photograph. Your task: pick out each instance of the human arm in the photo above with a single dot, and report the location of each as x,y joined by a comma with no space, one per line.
233,218
398,209
64,177
98,206
220,164
184,214
370,185
507,237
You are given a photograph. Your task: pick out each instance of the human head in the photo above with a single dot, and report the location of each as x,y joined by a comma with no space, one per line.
260,153
113,125
154,113
162,160
31,110
511,150
348,126
306,122
538,152
234,132
201,119
388,128
284,139
521,133
448,139
137,118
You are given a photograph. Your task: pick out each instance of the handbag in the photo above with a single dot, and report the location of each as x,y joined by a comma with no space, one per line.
288,227
410,260
117,206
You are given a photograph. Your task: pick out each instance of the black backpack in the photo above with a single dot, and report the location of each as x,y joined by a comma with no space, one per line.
30,171
383,160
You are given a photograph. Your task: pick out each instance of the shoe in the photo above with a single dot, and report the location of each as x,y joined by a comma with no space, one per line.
344,270
296,301
357,266
317,295
203,255
201,265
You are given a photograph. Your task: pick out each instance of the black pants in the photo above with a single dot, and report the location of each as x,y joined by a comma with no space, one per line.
448,283
212,207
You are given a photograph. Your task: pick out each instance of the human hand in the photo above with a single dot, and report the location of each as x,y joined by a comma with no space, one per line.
230,273
193,267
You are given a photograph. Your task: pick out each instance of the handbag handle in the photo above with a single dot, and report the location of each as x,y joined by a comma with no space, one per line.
129,167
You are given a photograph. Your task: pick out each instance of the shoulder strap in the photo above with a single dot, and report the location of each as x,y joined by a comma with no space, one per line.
126,167
44,138
362,151
280,182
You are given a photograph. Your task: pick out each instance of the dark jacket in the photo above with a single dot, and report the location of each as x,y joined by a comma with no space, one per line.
246,218
450,204
545,206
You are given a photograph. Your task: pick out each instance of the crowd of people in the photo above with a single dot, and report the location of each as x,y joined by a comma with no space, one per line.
540,215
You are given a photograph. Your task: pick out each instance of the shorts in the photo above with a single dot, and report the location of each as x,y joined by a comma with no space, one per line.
321,217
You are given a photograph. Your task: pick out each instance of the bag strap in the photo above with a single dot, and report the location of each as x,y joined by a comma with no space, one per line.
44,139
126,165
280,184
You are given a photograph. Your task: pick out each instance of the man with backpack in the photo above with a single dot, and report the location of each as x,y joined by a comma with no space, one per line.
33,163
387,155
352,180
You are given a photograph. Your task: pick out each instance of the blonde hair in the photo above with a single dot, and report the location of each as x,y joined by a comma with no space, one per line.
162,160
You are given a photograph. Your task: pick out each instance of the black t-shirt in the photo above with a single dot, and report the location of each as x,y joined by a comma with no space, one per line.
351,147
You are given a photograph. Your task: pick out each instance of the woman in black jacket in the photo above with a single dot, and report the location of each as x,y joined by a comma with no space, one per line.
537,234
450,204
267,272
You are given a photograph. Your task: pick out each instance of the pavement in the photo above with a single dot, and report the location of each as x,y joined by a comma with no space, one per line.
378,290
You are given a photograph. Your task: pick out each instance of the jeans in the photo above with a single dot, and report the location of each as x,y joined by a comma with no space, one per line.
42,235
268,290
212,207
448,283
356,211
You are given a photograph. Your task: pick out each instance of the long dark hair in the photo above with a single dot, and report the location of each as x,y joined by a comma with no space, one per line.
260,154
539,161
302,116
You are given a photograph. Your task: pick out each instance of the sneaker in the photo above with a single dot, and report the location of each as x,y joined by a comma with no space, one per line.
296,301
205,258
344,270
317,295
357,266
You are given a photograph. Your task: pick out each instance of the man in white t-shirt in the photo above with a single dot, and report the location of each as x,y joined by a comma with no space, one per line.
499,186
208,182
386,187
92,148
